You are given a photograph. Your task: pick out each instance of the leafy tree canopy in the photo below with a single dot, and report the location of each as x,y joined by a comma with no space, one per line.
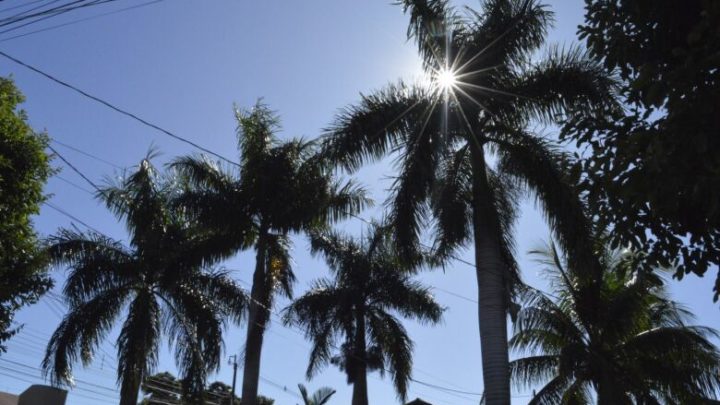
165,388
24,168
656,166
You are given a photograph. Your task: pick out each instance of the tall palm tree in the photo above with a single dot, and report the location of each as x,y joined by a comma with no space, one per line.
159,283
319,397
487,88
641,350
370,283
277,188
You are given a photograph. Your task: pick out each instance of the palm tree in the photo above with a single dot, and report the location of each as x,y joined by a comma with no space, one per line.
640,351
370,283
320,397
161,277
278,188
487,88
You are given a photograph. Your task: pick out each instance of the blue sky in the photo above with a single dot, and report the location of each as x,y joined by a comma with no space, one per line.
182,64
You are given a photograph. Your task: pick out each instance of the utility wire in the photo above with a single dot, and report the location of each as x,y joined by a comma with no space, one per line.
17,17
15,377
118,109
74,218
445,389
75,169
72,183
88,154
334,346
20,6
114,390
80,20
46,14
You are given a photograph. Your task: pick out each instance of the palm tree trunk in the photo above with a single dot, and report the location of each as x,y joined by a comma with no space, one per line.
360,389
129,390
491,278
259,312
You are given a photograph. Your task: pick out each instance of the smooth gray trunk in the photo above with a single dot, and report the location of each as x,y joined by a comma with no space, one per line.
259,313
360,389
491,272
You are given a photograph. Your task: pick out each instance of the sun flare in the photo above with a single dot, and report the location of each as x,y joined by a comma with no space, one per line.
445,79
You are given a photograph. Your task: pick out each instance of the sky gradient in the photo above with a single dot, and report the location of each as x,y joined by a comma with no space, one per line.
183,64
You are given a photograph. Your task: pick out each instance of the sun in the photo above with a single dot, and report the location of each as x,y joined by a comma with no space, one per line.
445,79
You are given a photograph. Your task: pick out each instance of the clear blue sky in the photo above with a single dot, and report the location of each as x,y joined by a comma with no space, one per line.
182,64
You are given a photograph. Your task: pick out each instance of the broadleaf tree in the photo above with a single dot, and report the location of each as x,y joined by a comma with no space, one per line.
652,170
24,169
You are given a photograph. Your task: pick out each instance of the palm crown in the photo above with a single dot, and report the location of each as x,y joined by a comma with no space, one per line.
161,277
488,88
641,351
370,282
278,188
319,397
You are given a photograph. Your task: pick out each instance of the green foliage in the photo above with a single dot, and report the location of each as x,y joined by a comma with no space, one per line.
24,168
280,187
620,336
165,388
467,153
370,282
319,397
161,284
653,170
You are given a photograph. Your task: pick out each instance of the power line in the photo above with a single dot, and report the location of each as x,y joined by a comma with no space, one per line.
74,218
15,377
81,20
20,15
75,169
20,6
114,390
118,109
87,154
334,346
444,389
14,370
72,183
46,14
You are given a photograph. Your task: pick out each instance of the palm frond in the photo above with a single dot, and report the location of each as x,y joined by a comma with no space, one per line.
138,343
409,298
256,131
433,24
507,30
80,332
528,371
97,263
194,326
552,392
392,338
138,199
346,200
278,263
409,211
224,291
564,81
377,126
203,173
322,395
451,205
337,249
534,162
